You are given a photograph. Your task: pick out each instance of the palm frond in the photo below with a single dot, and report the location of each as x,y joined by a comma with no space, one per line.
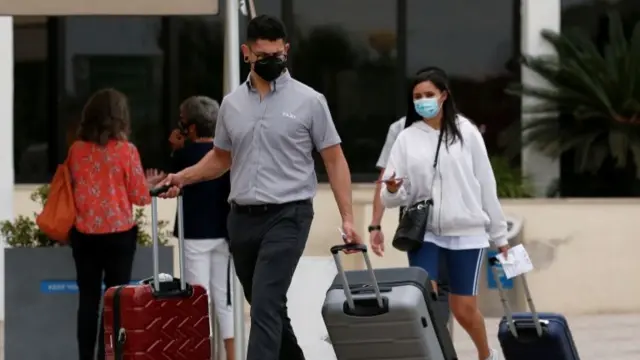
597,91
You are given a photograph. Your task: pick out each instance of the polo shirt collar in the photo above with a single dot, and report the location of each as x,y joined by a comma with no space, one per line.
278,82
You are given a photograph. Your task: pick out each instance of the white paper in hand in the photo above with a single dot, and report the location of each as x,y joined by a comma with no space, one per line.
516,263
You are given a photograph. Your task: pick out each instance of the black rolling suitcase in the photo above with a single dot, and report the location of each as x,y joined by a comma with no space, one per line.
532,335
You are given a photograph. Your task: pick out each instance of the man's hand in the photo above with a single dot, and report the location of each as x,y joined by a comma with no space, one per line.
176,182
376,238
176,139
350,236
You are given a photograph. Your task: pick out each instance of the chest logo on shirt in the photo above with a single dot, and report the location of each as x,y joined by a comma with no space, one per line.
289,115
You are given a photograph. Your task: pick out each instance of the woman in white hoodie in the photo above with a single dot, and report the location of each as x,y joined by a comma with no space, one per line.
466,213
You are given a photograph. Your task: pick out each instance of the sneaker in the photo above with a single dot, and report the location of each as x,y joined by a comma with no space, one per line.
493,355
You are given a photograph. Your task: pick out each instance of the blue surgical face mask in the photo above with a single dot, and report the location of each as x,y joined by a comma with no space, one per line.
427,107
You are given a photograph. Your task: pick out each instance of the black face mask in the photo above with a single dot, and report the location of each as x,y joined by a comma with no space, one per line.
270,67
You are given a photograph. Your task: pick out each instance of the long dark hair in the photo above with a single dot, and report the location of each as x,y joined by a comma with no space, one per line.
449,125
105,117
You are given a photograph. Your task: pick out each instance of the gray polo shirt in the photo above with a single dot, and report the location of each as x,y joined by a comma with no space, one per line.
271,141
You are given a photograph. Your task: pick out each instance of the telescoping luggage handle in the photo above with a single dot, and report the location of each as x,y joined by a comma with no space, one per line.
155,192
493,261
335,251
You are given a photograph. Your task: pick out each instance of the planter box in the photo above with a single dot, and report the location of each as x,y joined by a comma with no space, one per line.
41,300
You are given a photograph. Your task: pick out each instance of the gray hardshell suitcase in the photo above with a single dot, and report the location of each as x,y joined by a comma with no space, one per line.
384,314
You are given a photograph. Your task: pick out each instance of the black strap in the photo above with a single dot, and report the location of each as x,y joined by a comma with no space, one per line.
435,160
229,281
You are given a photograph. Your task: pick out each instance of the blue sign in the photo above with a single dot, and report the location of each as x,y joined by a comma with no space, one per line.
63,286
507,284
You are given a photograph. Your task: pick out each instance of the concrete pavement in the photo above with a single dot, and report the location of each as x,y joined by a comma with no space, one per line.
611,337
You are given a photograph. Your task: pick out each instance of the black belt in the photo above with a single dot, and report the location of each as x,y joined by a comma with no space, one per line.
265,208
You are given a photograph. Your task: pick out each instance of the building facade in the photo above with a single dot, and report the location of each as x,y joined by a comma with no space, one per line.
359,53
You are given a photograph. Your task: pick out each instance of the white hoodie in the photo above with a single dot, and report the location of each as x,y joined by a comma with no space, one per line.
464,191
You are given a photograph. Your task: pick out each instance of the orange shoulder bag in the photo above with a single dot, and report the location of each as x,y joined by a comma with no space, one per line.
59,213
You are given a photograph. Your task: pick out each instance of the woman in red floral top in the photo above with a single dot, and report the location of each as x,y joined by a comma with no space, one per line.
107,180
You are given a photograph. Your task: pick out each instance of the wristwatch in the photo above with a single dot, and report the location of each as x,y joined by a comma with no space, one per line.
374,228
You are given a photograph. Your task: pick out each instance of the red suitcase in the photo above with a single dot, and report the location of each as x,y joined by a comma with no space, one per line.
166,320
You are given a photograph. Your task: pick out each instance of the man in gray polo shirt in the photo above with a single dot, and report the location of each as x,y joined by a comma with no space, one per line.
266,131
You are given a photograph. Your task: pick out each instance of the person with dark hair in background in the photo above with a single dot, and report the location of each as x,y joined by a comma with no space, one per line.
466,213
107,180
266,132
205,209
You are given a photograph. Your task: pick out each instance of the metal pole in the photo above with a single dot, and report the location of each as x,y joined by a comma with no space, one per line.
231,46
239,321
231,81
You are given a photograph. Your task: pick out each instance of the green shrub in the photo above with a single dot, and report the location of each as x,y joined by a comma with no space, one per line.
511,182
23,231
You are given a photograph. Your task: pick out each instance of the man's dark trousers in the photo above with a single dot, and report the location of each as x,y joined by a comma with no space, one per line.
266,242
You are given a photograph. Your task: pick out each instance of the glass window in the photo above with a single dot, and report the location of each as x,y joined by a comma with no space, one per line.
125,53
200,61
31,103
609,180
591,15
477,43
347,51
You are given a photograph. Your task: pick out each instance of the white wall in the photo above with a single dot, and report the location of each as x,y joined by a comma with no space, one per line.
6,135
581,267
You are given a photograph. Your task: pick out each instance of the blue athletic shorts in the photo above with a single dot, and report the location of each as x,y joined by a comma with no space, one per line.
464,266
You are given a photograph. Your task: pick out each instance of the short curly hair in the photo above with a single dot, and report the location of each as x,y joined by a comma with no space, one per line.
201,111
105,117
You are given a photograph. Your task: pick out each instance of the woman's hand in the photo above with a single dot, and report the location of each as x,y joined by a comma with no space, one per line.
504,250
393,183
154,176
376,237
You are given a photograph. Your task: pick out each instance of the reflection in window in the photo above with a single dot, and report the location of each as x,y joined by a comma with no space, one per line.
352,61
31,121
124,53
591,15
200,51
477,43
200,57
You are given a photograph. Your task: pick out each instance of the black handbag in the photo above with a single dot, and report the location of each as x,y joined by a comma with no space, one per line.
409,235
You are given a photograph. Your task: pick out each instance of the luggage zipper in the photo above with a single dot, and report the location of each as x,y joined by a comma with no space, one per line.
118,336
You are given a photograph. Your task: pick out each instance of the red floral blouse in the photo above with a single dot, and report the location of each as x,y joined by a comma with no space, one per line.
107,180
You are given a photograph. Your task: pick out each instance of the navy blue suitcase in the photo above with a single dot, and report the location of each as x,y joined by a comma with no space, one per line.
533,335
